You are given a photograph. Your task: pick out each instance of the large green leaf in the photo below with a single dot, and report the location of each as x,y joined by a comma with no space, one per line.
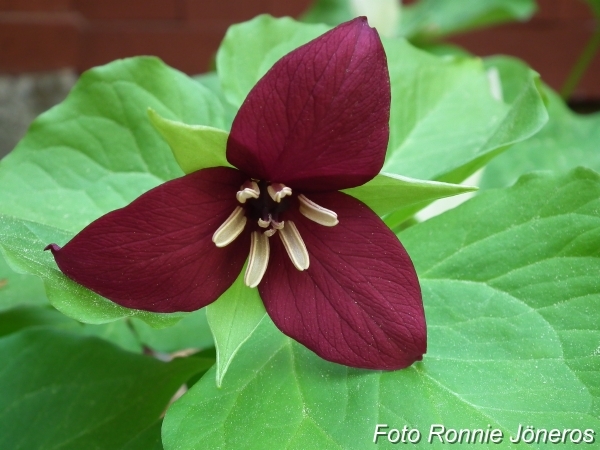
432,19
233,319
93,153
450,116
566,141
119,332
25,316
44,316
17,289
387,193
149,439
69,392
190,333
210,80
512,298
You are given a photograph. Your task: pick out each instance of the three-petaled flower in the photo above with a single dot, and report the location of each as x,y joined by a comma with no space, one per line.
331,274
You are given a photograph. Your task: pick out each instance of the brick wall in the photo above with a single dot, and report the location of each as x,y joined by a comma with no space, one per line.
39,35
551,43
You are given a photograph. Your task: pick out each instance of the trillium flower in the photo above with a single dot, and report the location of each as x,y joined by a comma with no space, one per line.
331,274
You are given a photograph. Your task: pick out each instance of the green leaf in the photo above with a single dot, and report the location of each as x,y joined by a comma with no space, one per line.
23,242
19,289
195,147
388,192
93,153
118,332
232,319
432,19
149,439
449,115
512,298
191,332
210,80
567,140
78,393
250,49
26,316
36,316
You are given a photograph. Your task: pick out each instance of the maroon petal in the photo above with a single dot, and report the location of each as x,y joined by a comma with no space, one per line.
157,253
318,120
359,302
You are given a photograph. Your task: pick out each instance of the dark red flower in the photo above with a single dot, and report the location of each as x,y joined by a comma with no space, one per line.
331,274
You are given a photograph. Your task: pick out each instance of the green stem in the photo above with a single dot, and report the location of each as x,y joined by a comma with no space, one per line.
582,64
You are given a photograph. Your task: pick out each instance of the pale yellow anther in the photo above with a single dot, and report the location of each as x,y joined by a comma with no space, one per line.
277,225
270,232
231,228
294,245
277,191
264,223
248,190
316,213
257,260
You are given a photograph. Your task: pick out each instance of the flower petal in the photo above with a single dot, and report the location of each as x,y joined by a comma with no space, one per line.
359,302
157,254
318,120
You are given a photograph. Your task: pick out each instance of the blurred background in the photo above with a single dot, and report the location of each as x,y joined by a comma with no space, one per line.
46,44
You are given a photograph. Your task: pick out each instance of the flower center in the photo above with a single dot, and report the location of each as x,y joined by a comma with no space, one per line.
264,205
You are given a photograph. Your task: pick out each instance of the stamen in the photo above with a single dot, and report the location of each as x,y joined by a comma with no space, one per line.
277,191
248,190
316,213
294,245
270,232
277,225
263,223
257,260
231,228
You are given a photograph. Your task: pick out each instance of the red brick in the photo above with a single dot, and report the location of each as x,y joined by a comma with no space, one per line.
549,10
588,87
290,8
228,11
551,51
34,42
34,5
577,10
129,9
189,49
